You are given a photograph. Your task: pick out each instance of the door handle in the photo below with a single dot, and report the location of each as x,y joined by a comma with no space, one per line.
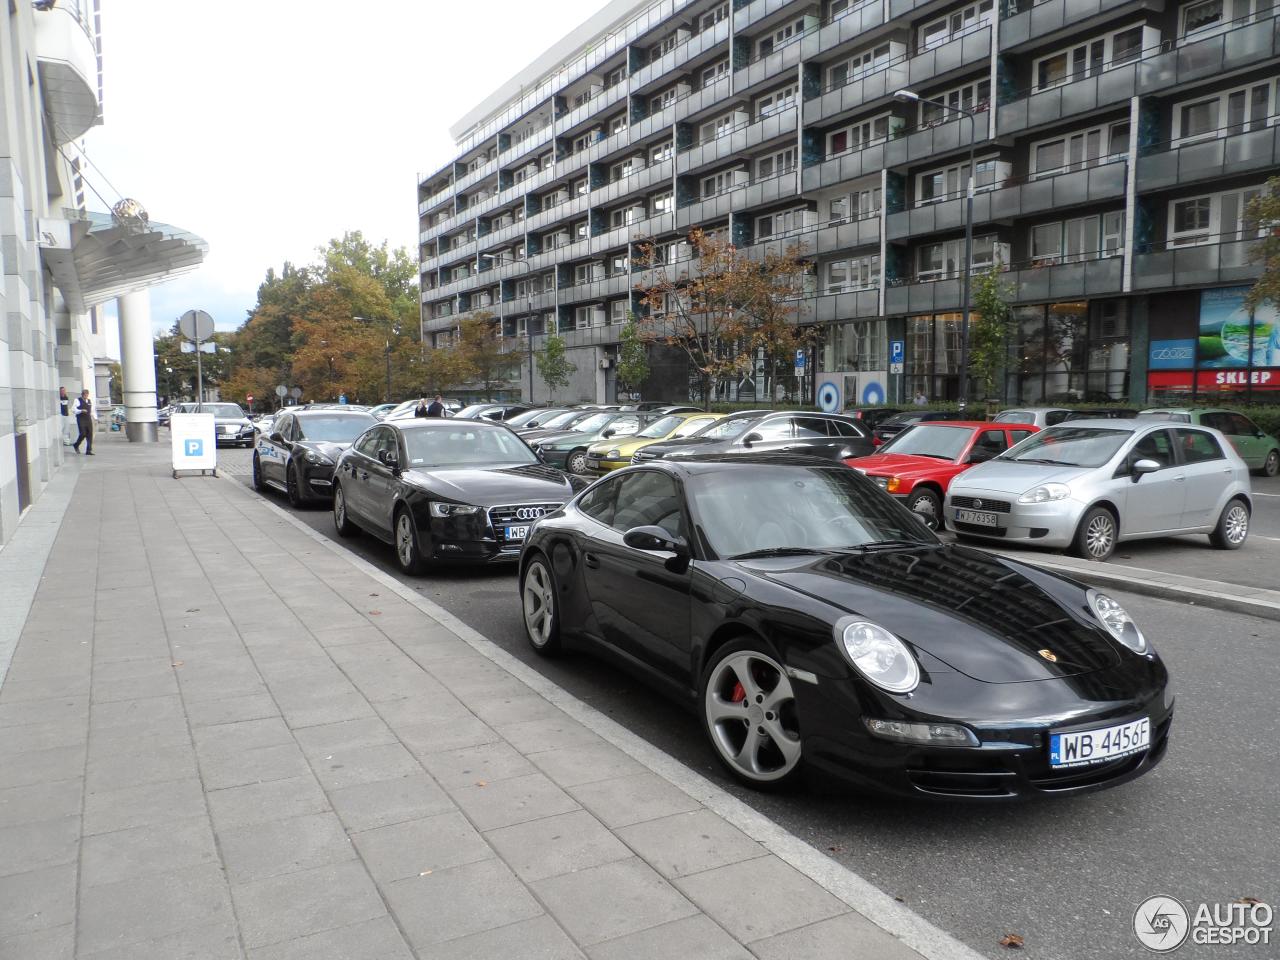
1179,479
591,560
364,475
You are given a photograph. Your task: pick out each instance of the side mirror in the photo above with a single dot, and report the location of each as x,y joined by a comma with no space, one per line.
390,458
276,437
1142,467
751,438
608,433
655,539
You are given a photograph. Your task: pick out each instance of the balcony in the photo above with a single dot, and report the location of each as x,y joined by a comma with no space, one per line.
1094,277
67,60
441,196
596,290
756,11
738,140
1170,165
677,57
851,305
962,52
923,143
592,109
850,25
768,68
846,235
478,175
1027,22
842,167
860,93
1225,259
704,98
512,155
657,174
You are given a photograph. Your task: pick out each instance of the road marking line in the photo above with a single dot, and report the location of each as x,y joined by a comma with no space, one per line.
838,880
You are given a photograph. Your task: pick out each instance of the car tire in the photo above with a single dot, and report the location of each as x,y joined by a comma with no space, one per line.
293,486
1096,536
1232,528
405,542
258,483
928,505
341,519
1271,465
762,749
540,604
576,463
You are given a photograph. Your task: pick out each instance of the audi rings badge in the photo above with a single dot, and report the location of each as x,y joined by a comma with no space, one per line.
530,513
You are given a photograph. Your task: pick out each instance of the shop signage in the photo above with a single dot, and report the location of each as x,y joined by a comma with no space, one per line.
1172,354
1229,337
1215,381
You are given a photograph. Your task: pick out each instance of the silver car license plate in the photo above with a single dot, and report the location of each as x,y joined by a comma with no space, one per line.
978,518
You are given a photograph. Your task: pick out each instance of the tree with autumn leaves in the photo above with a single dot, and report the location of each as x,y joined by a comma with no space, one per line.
724,310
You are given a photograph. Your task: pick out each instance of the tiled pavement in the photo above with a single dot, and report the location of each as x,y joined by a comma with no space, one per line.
220,740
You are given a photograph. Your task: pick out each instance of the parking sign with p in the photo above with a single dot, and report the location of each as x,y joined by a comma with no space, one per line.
194,447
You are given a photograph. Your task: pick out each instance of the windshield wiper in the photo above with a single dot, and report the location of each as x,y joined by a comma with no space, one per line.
1055,463
778,552
872,546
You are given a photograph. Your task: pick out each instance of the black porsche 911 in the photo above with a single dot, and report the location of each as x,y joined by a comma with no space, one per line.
297,452
834,630
445,491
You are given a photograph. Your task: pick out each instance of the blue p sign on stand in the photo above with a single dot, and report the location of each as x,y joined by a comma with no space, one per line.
896,351
195,448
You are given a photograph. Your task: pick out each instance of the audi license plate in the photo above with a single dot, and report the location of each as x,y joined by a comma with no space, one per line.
977,517
1095,746
516,533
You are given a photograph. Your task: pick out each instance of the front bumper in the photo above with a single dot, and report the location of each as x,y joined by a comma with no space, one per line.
472,539
317,481
243,437
1051,524
601,466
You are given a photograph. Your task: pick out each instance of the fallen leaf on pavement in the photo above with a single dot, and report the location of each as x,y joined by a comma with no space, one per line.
1011,940
425,873
900,900
177,663
373,594
375,613
481,783
1251,901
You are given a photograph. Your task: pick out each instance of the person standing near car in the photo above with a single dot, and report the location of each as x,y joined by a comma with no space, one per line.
436,409
64,408
421,409
84,422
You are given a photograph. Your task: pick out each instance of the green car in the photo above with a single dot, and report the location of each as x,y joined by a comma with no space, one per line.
568,451
1257,448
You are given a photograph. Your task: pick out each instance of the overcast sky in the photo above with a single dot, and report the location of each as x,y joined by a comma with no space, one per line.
269,126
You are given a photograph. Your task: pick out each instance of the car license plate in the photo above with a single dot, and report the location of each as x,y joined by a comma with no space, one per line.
977,517
1096,746
516,533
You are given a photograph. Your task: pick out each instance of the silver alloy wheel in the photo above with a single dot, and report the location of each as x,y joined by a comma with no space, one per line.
925,505
1236,526
404,539
1100,535
578,463
1271,466
757,734
339,508
539,603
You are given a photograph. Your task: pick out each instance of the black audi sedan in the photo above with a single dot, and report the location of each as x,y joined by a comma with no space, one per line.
835,631
297,453
445,491
826,435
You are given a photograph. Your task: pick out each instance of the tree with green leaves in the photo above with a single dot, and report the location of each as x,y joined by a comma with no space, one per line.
1264,209
484,352
991,319
633,356
554,366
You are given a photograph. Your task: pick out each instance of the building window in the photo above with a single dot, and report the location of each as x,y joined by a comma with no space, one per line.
781,36
549,281
854,273
713,73
615,76
782,223
718,127
618,124
863,204
618,310
863,134
1081,238
620,171
776,164
1090,58
626,215
663,203
862,63
1070,351
856,346
1216,218
941,260
974,96
588,316
950,182
580,188
714,16
1225,114
664,99
619,264
776,101
721,182
580,230
1085,148
955,24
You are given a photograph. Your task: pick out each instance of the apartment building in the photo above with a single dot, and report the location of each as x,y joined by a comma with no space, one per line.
1116,146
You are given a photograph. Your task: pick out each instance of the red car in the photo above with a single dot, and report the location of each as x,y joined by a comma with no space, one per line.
919,463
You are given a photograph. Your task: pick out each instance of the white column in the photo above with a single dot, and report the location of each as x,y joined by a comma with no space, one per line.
138,361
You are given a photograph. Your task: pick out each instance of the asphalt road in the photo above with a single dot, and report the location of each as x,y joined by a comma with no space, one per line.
1064,874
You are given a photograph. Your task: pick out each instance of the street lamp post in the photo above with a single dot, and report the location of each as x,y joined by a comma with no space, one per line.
528,305
912,97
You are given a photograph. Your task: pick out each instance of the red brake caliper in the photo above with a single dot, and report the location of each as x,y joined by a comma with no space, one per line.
738,694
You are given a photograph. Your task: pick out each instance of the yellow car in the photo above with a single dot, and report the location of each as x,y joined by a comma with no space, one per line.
611,454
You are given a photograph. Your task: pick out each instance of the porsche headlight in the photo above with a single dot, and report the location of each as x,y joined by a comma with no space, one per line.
1117,622
313,457
442,509
878,655
1046,492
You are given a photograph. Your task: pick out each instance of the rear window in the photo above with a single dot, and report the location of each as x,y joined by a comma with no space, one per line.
1016,416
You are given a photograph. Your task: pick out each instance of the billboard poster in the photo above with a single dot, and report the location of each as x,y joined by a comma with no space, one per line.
1226,333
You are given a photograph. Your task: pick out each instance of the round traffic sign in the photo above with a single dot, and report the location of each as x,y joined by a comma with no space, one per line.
282,391
296,392
196,325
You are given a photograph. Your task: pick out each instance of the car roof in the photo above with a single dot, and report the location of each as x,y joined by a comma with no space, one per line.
441,423
329,412
975,424
1106,423
1033,409
705,462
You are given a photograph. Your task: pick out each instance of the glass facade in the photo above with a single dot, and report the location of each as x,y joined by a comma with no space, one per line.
1070,352
932,362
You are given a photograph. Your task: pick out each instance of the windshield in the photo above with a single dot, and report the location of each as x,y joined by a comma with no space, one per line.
660,428
334,429
693,426
819,508
562,420
463,445
523,419
593,423
728,429
930,440
1068,446
900,418
473,411
225,410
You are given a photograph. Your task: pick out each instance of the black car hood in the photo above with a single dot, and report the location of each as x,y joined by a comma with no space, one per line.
687,445
324,447
982,615
493,486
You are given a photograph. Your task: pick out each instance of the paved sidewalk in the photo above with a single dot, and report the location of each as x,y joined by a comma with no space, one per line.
220,739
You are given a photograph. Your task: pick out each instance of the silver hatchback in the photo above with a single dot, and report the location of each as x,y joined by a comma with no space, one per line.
1088,484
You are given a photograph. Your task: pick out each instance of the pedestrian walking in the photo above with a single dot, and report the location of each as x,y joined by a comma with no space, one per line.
84,422
437,407
921,400
64,408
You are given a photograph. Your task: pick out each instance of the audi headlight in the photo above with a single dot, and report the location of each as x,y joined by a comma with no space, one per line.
1046,492
441,509
313,457
1117,622
878,655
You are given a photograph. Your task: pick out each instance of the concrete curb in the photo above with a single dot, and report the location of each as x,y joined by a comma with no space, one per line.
1204,593
857,892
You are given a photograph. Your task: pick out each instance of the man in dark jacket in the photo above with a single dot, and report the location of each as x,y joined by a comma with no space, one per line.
436,409
84,422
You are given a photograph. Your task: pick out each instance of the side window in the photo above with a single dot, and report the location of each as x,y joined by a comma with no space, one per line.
286,428
809,427
1017,436
1198,446
598,502
849,428
778,428
991,442
367,442
1240,426
649,498
1155,446
1056,416
624,427
1217,421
